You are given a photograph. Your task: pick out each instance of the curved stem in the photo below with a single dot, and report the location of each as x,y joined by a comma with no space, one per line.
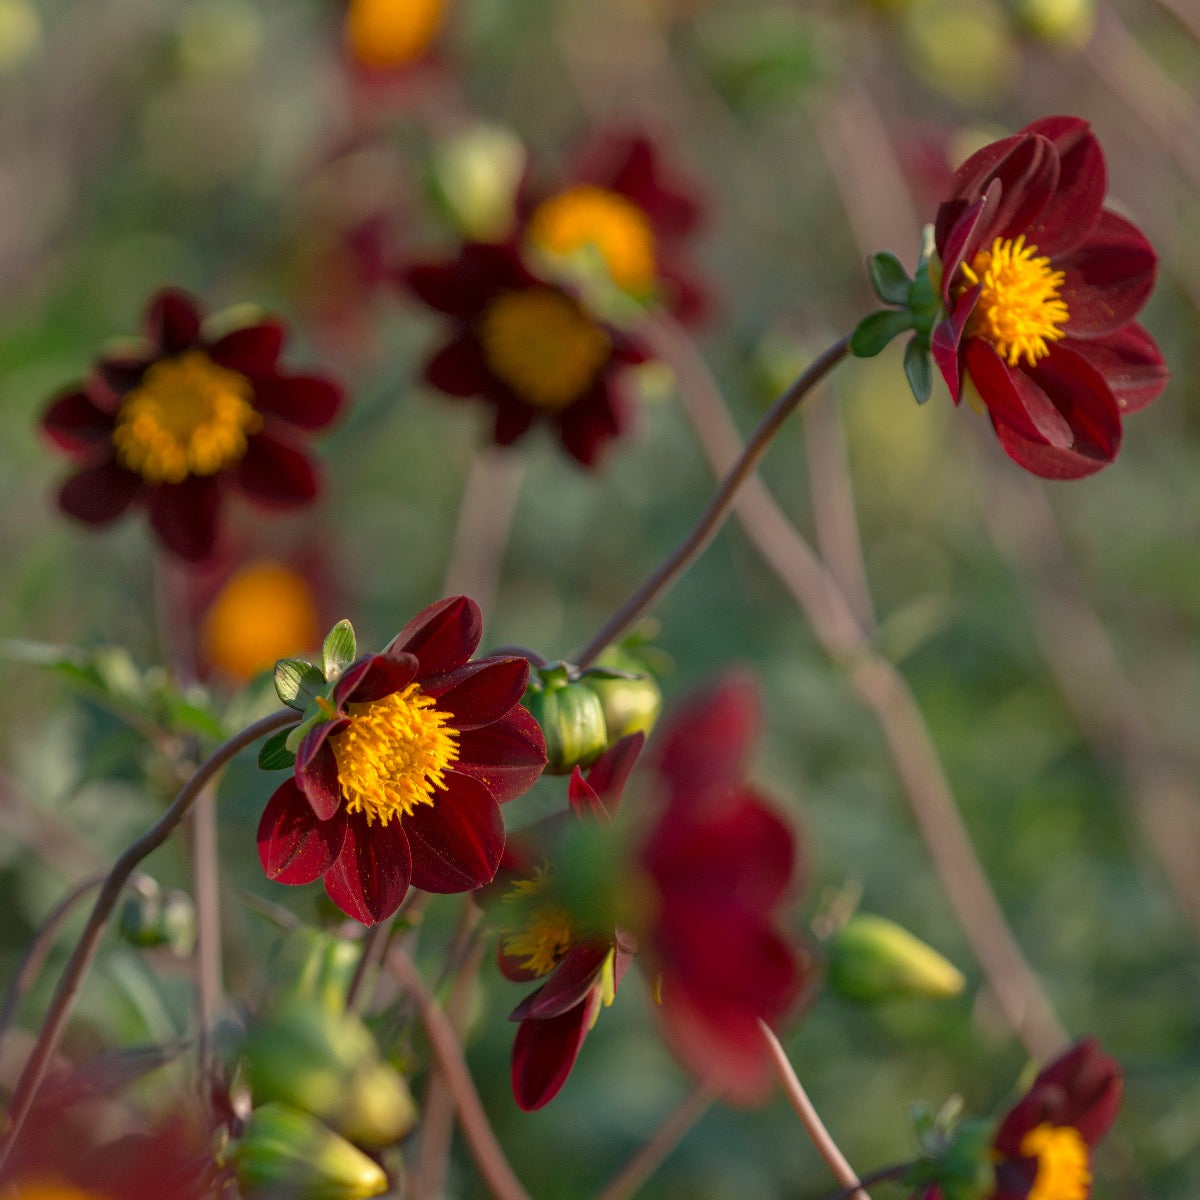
718,508
85,950
882,1175
826,1147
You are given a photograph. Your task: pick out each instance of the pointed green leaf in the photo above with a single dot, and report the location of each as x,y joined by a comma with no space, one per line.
339,649
876,330
889,278
274,755
918,370
296,682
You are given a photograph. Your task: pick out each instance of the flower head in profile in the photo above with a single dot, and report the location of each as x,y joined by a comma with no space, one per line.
399,776
1040,287
618,201
184,418
528,347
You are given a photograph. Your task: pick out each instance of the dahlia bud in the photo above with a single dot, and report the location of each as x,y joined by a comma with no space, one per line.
150,918
872,958
1066,23
571,717
629,694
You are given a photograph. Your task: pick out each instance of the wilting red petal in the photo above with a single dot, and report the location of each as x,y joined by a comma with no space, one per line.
544,1053
443,636
1013,399
185,515
100,493
293,845
275,473
456,842
507,756
480,692
370,877
306,401
569,985
172,321
373,677
1108,279
1129,360
251,351
316,769
74,423
459,368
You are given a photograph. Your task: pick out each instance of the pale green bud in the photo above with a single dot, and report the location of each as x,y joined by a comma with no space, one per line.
872,958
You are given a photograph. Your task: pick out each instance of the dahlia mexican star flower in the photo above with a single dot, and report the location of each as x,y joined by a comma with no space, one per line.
1041,285
402,782
527,346
176,424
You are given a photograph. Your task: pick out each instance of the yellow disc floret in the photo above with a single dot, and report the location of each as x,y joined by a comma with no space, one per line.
188,416
547,931
1019,309
1062,1163
542,344
606,221
40,1189
391,33
394,754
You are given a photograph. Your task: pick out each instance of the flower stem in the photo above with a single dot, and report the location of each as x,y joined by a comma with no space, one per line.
718,508
85,950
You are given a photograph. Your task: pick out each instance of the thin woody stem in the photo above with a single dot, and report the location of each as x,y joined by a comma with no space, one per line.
718,509
85,950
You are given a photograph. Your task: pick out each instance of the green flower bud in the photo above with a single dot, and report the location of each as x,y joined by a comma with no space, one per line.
150,919
314,967
872,958
286,1153
571,717
379,1108
1065,23
631,701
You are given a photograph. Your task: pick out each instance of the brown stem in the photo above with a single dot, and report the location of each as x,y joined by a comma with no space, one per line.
85,950
718,508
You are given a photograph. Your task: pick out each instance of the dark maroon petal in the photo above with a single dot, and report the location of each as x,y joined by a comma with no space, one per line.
947,340
1013,398
544,1053
370,876
965,238
971,180
685,294
252,351
75,424
610,772
100,493
569,985
373,677
443,636
1083,178
277,474
465,286
1131,363
459,368
185,515
507,756
1108,279
457,840
120,375
306,401
481,692
316,769
513,419
293,845
510,967
584,800
594,420
172,321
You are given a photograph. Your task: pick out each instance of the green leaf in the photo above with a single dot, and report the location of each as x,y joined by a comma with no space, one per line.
876,330
889,279
274,755
297,682
918,370
338,650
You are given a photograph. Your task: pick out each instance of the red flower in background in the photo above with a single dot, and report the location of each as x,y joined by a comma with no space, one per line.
177,424
721,861
618,199
402,784
528,347
1041,285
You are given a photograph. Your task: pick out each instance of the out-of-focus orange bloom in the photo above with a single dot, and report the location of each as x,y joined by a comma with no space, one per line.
388,34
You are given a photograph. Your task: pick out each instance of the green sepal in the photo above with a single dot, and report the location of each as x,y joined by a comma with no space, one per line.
274,754
874,331
889,278
297,682
338,650
918,370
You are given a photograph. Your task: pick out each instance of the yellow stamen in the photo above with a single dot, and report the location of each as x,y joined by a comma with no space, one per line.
391,33
188,416
42,1189
394,754
546,931
1019,309
606,221
1062,1163
541,343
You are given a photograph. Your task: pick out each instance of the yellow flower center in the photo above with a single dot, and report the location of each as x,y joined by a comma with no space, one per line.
391,33
546,931
394,754
1019,309
264,613
605,221
542,345
42,1189
188,416
1062,1159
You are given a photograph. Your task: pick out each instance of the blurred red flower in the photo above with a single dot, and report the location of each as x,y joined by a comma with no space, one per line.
1040,285
402,784
528,347
174,425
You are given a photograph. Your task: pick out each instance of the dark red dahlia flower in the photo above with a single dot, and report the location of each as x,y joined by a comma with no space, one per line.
584,968
1041,285
402,783
721,860
528,347
617,200
175,425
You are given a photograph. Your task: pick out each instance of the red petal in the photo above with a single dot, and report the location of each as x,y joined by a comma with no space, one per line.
466,285
277,474
459,368
513,419
185,515
316,770
610,771
1083,178
481,692
507,756
374,677
593,421
1130,362
99,494
370,877
306,401
947,341
293,845
583,798
75,424
568,987
456,841
443,636
544,1053
1013,399
1108,279
252,351
119,375
172,321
